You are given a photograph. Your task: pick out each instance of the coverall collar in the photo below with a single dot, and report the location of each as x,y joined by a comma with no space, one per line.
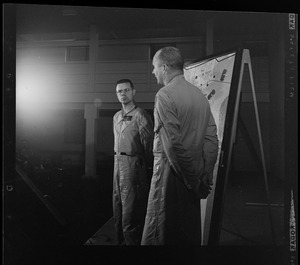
174,77
126,113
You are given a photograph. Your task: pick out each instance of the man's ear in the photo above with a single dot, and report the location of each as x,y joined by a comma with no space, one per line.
165,68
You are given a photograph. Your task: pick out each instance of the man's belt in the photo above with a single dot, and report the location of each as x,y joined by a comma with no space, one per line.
123,154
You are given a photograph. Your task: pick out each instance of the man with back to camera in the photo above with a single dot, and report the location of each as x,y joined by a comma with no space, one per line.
133,141
185,150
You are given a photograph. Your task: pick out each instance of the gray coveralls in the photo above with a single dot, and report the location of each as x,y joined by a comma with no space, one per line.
181,158
133,141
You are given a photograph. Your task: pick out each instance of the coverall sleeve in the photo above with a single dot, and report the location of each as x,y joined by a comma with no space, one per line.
210,148
177,154
146,136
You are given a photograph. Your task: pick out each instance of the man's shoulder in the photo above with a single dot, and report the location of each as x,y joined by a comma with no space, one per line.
117,114
164,91
141,112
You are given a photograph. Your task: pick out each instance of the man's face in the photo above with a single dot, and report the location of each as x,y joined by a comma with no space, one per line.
158,70
125,93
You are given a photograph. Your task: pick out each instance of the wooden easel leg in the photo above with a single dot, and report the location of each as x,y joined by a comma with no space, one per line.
261,151
247,138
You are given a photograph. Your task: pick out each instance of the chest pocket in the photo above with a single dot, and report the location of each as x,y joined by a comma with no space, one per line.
129,137
128,124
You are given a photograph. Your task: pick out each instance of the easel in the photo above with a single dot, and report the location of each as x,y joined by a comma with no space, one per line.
41,197
217,211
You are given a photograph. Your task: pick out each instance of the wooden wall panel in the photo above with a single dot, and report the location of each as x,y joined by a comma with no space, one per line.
74,79
113,77
111,88
122,67
73,68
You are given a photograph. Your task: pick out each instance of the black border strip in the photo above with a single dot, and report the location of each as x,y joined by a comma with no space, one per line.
9,89
291,136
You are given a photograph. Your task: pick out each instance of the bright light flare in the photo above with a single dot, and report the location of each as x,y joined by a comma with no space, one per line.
36,89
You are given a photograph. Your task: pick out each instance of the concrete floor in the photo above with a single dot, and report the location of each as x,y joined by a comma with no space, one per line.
86,205
246,215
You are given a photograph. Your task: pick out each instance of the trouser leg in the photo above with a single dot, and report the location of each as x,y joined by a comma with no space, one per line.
117,206
129,186
131,224
130,198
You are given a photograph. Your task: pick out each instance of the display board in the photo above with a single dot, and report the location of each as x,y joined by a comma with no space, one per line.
217,77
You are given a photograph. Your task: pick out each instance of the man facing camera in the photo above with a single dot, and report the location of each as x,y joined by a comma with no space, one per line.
133,141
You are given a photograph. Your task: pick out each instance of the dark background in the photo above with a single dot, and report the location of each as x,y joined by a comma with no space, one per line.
32,233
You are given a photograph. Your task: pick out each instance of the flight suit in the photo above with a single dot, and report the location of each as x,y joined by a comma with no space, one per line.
186,151
133,141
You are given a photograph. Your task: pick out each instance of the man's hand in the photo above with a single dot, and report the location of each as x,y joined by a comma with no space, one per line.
205,186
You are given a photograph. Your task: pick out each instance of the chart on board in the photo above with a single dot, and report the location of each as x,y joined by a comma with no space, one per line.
213,78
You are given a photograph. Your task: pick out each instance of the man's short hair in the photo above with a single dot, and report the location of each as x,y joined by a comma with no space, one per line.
125,80
172,57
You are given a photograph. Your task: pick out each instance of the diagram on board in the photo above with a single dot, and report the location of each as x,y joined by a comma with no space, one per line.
213,78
